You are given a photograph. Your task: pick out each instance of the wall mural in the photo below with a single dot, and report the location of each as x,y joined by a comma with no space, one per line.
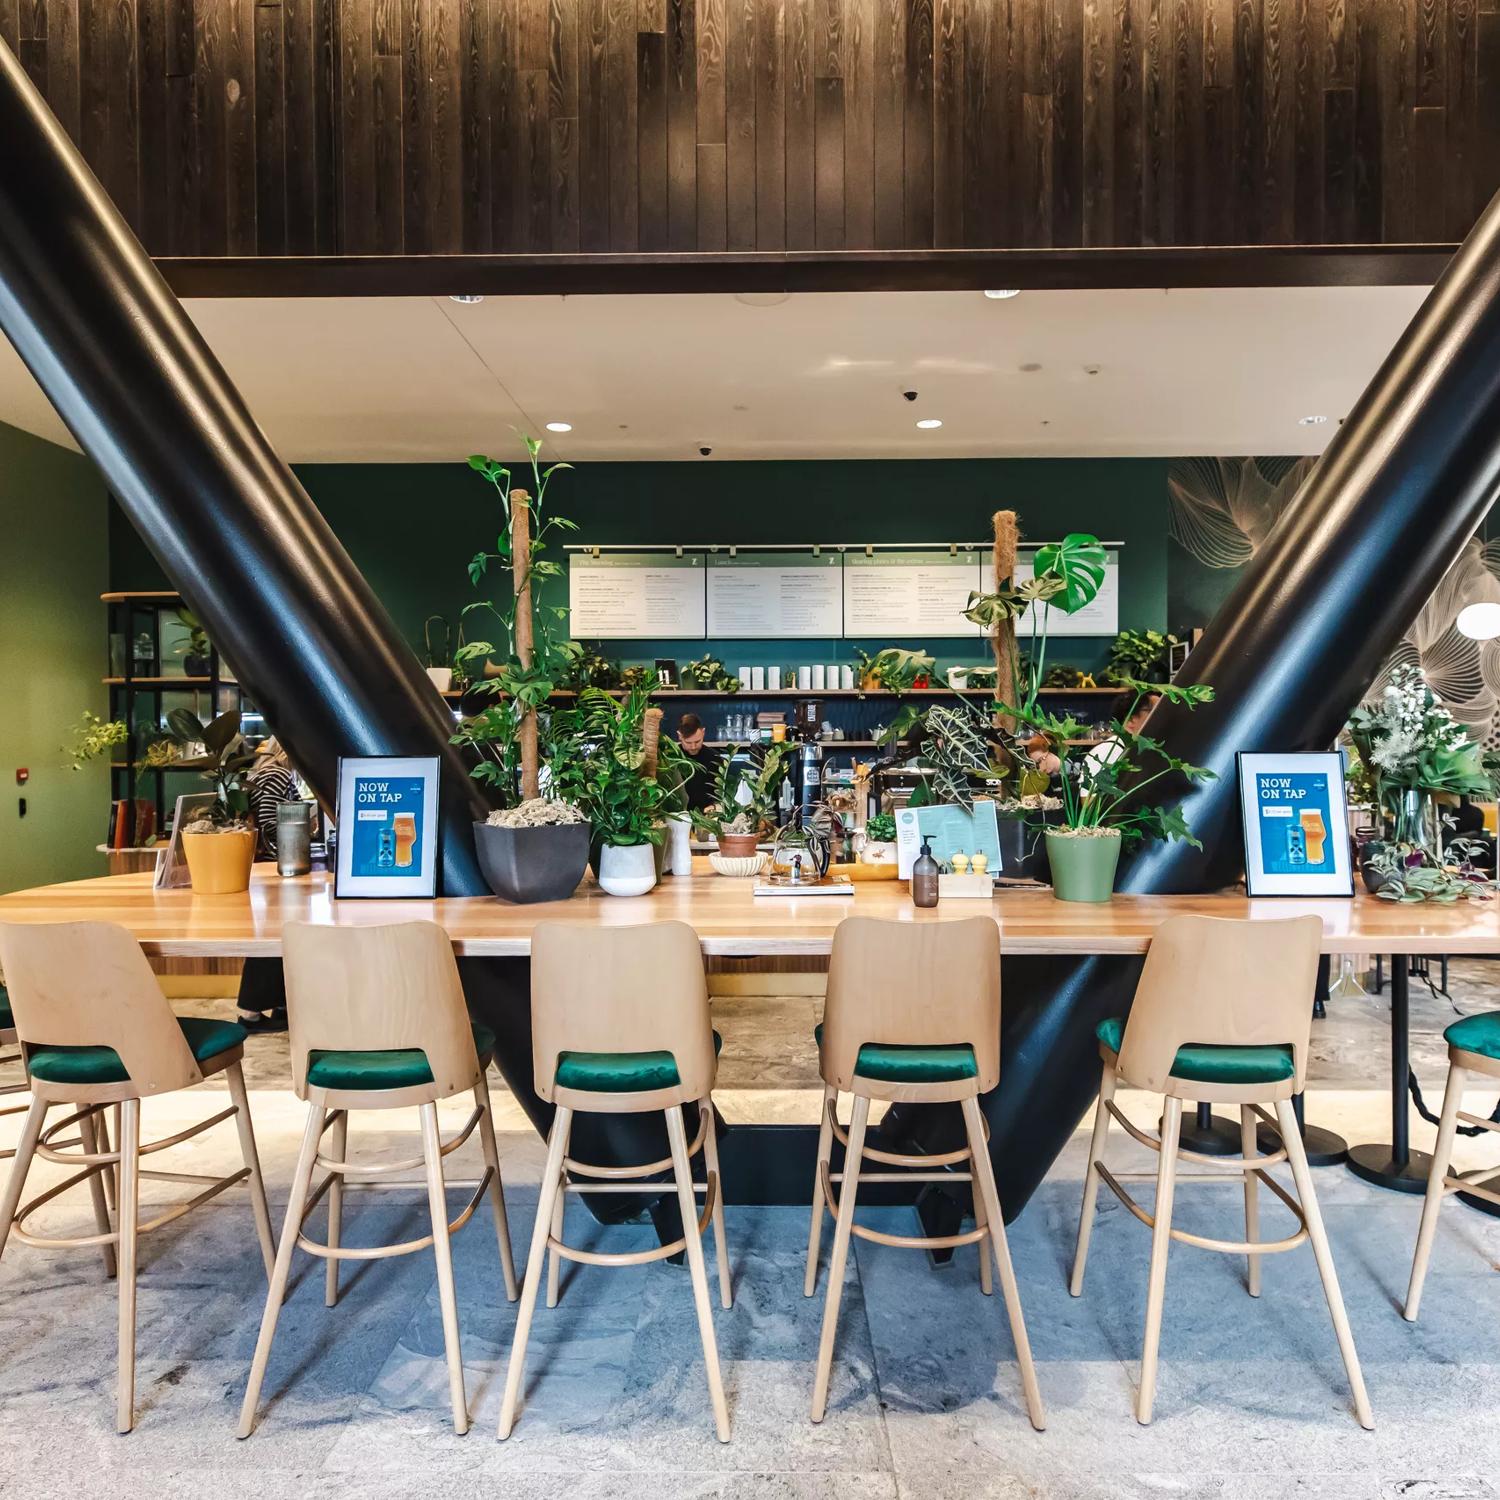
1221,510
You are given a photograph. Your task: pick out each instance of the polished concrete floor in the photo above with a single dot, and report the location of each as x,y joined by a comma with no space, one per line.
1252,1400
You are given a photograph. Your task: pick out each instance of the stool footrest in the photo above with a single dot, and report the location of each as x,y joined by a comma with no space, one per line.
901,1241
710,1191
382,1252
896,1158
1202,1242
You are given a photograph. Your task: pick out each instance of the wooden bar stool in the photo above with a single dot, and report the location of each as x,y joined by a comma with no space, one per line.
8,1038
1220,1016
1473,1047
97,1032
912,1015
619,1019
378,1021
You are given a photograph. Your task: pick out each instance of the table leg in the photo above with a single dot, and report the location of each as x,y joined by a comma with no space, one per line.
1396,1165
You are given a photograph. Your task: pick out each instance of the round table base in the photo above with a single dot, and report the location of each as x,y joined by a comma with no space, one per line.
1483,1204
1324,1148
1376,1164
1219,1138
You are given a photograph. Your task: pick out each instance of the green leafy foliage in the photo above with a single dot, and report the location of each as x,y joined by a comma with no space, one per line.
710,674
598,763
744,795
881,827
1409,873
92,736
1142,654
224,761
896,670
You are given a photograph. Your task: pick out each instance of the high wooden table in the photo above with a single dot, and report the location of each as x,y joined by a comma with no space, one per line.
732,922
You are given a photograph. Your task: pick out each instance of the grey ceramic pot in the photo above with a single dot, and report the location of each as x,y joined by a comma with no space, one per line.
526,865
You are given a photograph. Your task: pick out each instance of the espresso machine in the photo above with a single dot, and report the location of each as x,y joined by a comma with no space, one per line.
807,725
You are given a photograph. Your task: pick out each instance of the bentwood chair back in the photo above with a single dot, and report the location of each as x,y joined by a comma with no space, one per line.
87,984
378,989
98,1035
621,991
1213,982
8,1038
913,1016
378,1021
1220,1015
619,1021
904,984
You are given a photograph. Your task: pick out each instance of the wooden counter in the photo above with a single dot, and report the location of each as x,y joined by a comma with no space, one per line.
730,920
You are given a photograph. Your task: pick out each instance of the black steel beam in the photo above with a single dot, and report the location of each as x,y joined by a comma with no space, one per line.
1401,488
237,535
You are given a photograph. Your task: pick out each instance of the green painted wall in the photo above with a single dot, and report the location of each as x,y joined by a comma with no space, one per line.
412,527
54,564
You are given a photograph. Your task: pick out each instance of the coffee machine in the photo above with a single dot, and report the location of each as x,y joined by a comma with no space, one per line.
807,724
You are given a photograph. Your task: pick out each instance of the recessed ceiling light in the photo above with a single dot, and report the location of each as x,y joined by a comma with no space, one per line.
466,299
1003,296
1480,622
559,427
927,423
1313,421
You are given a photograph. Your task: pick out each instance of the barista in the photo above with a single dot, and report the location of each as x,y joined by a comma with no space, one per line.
704,762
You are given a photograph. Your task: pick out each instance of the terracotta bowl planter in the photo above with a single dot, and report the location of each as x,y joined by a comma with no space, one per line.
738,845
219,863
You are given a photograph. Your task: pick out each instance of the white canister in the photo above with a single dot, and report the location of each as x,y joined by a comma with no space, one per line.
831,677
773,678
846,678
757,679
627,869
958,678
745,677
804,678
441,678
679,860
818,681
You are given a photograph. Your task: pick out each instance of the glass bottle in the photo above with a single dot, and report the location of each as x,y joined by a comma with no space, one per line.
924,876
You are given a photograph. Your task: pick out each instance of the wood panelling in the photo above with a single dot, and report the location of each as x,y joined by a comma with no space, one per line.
321,127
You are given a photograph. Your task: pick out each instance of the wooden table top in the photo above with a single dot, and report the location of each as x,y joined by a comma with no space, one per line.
731,921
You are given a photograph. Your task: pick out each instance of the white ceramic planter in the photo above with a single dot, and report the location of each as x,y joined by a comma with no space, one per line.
627,869
878,852
958,678
441,678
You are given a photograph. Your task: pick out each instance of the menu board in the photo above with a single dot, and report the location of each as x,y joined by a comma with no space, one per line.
636,595
1101,616
907,594
766,595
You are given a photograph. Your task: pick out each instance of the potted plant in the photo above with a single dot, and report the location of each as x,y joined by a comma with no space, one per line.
541,853
219,844
894,670
879,847
1100,792
709,674
92,737
589,668
196,651
744,798
1142,656
601,764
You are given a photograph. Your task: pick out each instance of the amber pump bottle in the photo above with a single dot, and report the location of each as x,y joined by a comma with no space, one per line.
924,876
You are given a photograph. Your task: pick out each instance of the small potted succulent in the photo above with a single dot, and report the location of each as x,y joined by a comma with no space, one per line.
746,788
879,847
219,844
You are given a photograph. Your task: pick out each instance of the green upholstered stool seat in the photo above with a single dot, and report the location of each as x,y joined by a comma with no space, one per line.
1480,1034
90,1065
910,1064
1201,1062
7,1021
396,1068
620,1072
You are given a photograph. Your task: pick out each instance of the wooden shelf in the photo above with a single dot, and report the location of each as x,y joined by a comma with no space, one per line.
851,693
182,682
127,595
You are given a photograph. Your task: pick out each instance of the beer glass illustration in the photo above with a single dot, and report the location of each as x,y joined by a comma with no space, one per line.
1314,833
405,826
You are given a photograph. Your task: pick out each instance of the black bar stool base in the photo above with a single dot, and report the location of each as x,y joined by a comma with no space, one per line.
1377,1164
1324,1148
1483,1204
1214,1136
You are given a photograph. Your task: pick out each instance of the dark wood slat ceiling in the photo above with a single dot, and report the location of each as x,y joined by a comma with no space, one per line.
321,127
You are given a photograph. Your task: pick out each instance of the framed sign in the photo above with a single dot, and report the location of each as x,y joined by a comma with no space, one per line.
387,823
1296,825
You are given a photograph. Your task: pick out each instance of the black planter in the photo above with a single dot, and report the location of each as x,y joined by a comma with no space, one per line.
1023,848
195,666
526,865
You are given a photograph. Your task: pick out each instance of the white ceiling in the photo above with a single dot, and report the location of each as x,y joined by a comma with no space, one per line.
817,375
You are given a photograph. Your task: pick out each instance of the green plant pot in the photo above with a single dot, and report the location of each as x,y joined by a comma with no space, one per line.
1083,866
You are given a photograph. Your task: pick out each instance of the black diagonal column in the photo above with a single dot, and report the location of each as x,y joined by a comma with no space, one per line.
1402,486
237,535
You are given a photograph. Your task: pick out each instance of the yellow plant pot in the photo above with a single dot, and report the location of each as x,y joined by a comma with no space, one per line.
219,863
